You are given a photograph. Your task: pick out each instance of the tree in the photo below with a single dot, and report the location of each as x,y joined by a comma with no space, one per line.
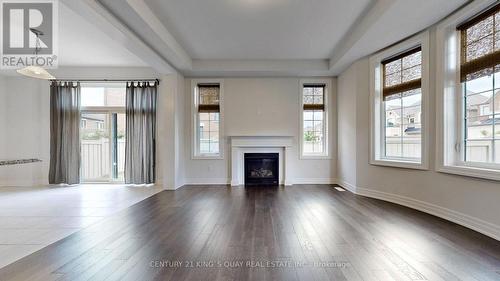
309,136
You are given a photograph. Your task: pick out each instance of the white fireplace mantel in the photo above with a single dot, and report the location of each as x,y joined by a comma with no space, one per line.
262,144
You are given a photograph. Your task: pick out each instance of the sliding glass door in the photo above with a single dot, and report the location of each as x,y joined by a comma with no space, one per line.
95,153
102,146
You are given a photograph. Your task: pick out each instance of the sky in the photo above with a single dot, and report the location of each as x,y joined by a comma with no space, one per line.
94,95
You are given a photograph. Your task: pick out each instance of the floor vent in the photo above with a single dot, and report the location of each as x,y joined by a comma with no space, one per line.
339,188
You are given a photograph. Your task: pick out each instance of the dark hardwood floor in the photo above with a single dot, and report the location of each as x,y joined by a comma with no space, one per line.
305,232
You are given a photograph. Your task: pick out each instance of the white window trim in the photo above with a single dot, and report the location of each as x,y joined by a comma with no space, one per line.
376,105
326,154
97,109
449,138
195,154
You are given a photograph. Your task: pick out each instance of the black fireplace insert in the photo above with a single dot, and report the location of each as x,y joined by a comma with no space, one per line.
261,169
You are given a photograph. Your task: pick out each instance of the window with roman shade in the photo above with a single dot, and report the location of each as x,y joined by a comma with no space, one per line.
402,105
399,99
208,109
314,125
480,79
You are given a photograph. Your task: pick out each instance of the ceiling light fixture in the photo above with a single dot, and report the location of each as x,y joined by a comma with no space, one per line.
34,70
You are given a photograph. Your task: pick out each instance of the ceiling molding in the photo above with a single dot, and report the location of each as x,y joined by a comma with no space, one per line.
368,17
176,54
97,14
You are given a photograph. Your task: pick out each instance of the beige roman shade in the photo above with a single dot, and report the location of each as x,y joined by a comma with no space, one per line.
313,97
402,72
480,44
208,98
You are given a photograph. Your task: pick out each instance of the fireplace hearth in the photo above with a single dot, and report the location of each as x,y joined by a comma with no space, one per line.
261,169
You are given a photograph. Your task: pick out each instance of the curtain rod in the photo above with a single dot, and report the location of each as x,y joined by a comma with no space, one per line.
105,80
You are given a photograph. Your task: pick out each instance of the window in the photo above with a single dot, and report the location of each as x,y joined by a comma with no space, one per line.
314,125
480,78
83,124
102,132
468,97
402,99
207,119
399,86
103,95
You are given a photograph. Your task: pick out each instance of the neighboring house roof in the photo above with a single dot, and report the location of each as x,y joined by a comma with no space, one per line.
411,110
495,96
489,121
91,118
481,98
478,99
412,130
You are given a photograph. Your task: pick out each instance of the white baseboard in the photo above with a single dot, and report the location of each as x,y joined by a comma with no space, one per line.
164,187
214,181
24,183
172,188
314,181
479,225
346,185
207,181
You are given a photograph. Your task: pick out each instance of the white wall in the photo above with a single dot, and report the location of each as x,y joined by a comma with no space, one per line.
468,201
3,117
260,106
26,135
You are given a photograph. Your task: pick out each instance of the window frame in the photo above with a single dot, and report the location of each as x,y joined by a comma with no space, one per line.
326,154
195,144
377,110
450,134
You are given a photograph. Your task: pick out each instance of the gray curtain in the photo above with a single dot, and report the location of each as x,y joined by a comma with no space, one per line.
64,133
141,133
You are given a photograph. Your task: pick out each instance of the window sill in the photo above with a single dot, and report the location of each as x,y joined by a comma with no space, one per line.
399,164
207,157
489,174
315,157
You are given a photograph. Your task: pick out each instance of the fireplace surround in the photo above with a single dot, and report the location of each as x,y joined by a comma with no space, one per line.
240,145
